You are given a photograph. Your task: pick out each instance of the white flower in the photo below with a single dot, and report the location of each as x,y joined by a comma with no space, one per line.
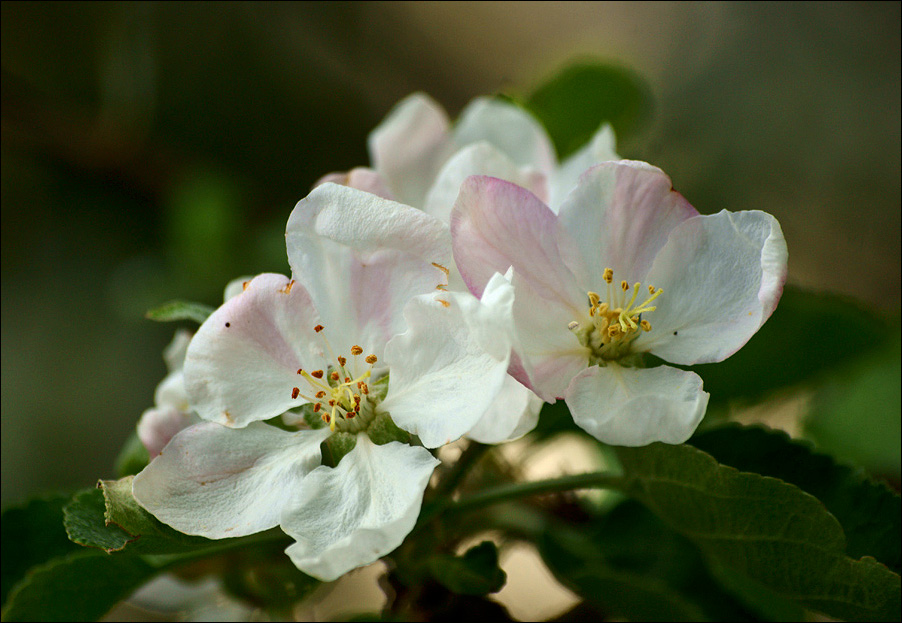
419,158
582,314
327,337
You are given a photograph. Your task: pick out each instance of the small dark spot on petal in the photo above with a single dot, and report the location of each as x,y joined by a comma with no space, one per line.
228,324
674,332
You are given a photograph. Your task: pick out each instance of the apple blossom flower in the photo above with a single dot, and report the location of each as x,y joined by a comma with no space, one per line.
627,267
366,298
419,158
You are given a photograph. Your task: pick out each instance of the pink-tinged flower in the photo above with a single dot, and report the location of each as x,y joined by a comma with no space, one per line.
627,267
419,158
361,334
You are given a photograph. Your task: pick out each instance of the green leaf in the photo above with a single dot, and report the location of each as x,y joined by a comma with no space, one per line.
266,578
85,521
109,518
767,530
132,458
573,104
475,573
855,415
794,345
180,310
32,534
629,564
81,586
870,513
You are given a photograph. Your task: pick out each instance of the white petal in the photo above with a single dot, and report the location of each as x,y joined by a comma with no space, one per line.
235,287
356,513
449,366
722,276
360,178
636,407
599,149
242,364
220,482
510,129
478,159
619,216
362,258
171,391
159,425
514,413
409,147
174,354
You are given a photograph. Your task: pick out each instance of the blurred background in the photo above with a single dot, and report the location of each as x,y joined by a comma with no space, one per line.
153,151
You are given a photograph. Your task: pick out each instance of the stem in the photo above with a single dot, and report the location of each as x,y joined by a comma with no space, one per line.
594,480
471,454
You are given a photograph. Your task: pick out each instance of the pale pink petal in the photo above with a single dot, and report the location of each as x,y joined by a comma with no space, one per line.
219,482
362,258
548,351
619,216
159,425
351,515
478,159
496,225
409,147
636,407
242,364
722,276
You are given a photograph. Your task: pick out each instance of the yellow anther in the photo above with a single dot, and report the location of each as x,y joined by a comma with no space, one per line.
609,275
573,325
624,285
317,373
370,359
593,299
342,361
356,350
646,325
651,289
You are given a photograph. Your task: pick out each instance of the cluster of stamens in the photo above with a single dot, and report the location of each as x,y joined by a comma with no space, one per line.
339,392
616,321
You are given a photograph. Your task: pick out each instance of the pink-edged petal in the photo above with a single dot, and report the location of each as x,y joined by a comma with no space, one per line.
722,276
242,364
449,366
159,425
619,216
512,130
174,353
220,482
354,514
362,258
409,147
565,177
548,352
635,407
478,159
514,413
497,224
171,391
361,178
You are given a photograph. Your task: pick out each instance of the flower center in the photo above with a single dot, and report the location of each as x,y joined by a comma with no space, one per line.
614,323
340,391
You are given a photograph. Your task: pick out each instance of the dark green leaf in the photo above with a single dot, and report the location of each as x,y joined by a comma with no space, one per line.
475,573
855,415
132,458
794,345
32,534
629,564
266,578
573,104
765,529
85,522
869,512
82,586
180,310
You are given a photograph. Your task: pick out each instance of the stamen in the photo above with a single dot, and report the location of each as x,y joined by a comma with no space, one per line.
371,359
609,275
317,373
356,350
646,325
294,392
624,285
320,394
318,328
342,361
334,376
